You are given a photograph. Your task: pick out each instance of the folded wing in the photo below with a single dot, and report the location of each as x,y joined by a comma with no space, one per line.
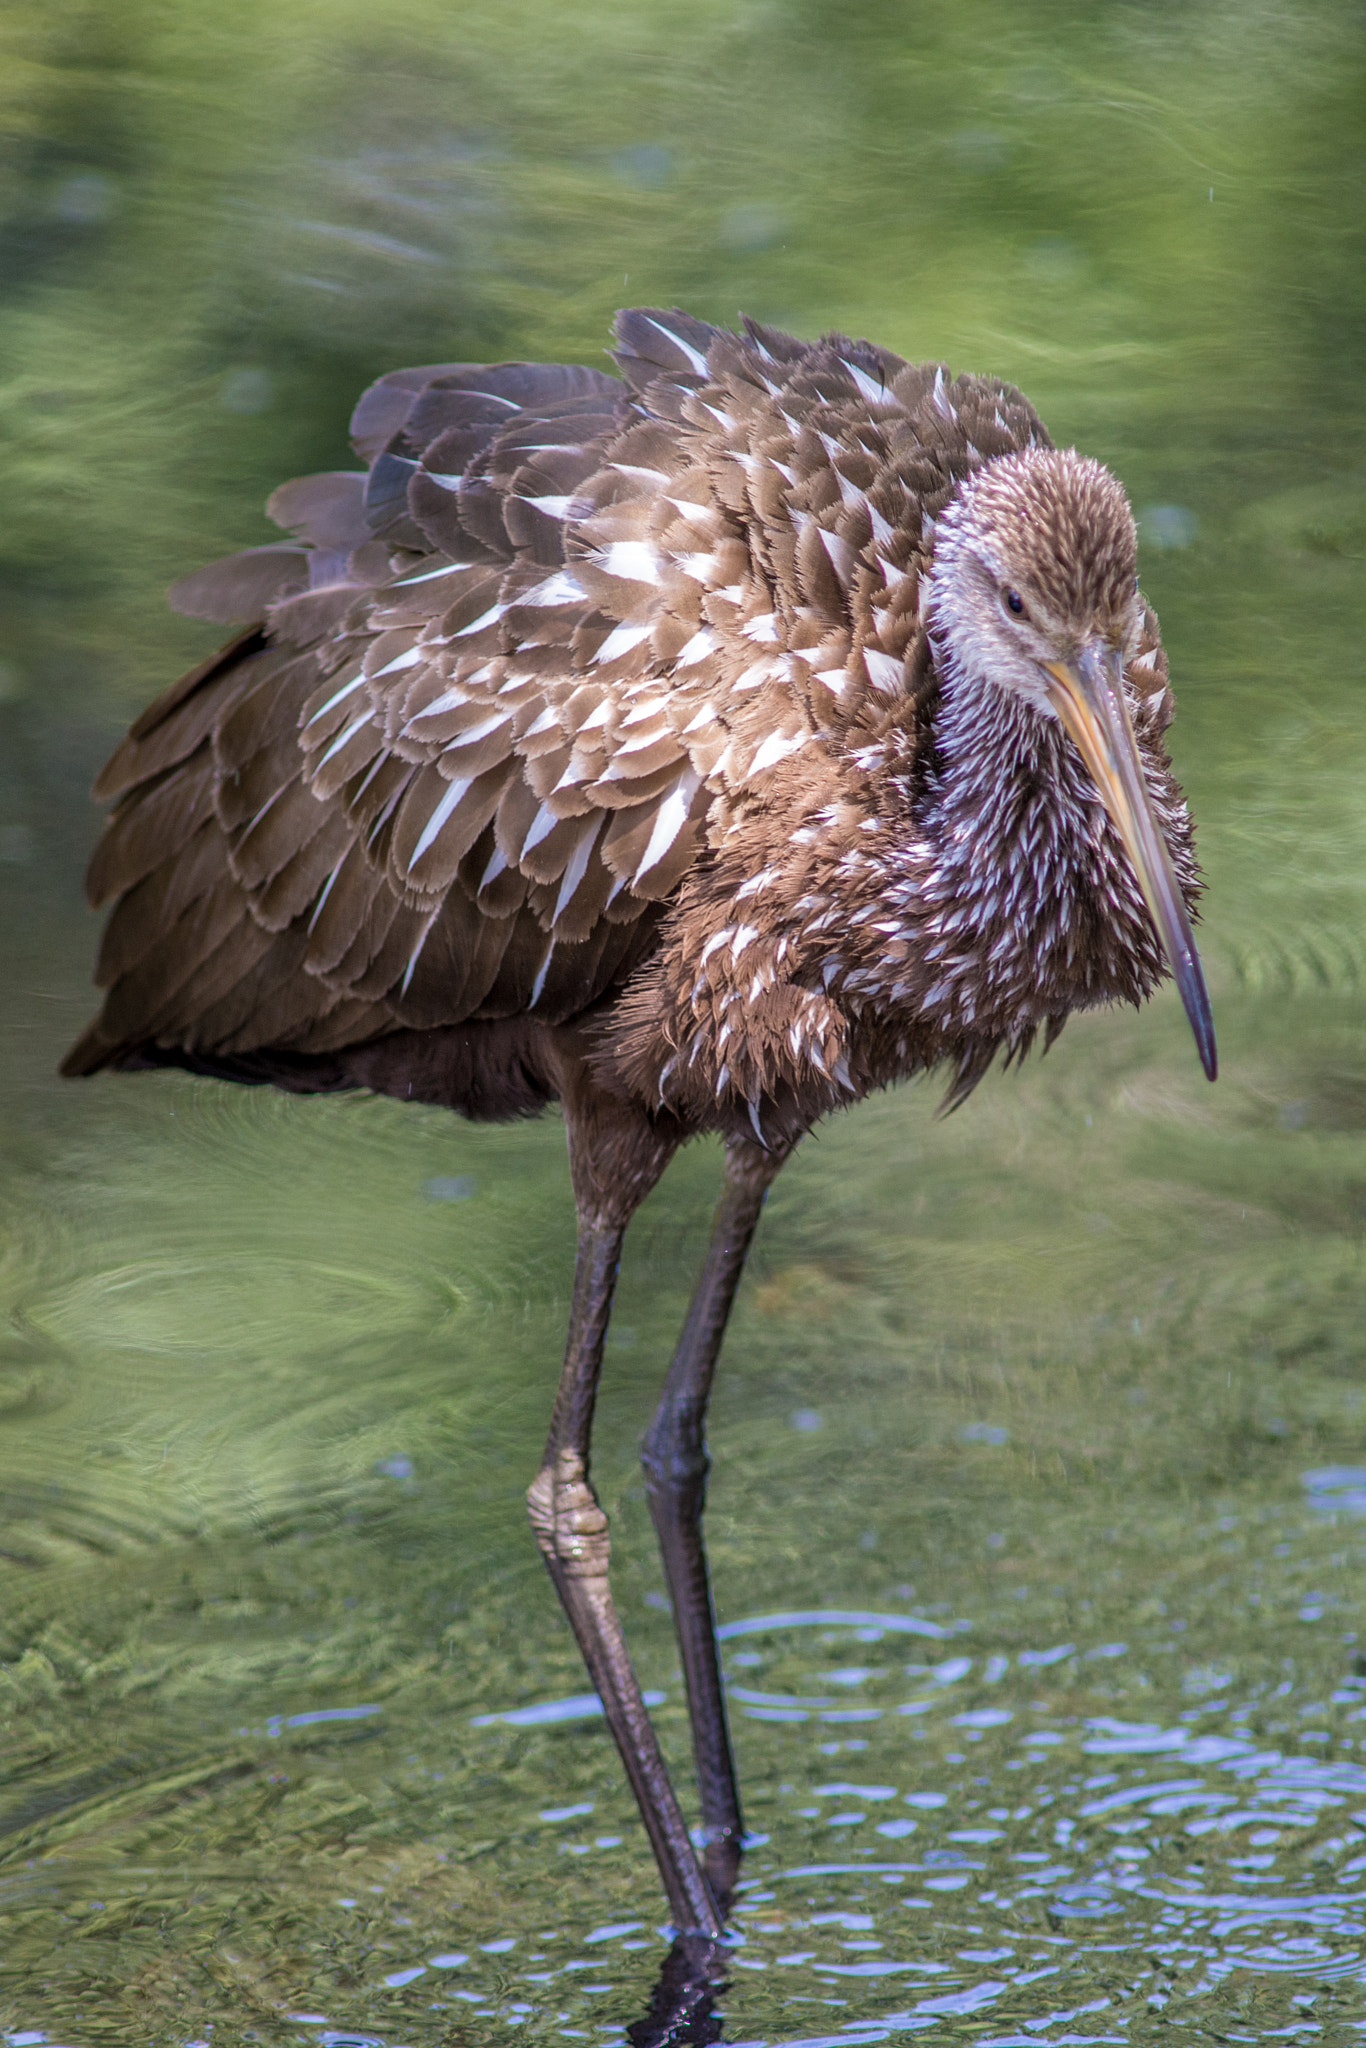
506,683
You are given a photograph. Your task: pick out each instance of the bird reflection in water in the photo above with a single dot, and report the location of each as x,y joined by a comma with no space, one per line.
702,748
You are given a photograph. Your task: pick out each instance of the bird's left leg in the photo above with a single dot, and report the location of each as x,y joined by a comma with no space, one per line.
676,1465
615,1161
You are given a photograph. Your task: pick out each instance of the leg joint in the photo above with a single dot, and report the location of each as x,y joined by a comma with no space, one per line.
570,1526
674,1453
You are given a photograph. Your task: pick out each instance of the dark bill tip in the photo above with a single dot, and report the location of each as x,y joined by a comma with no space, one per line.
1190,982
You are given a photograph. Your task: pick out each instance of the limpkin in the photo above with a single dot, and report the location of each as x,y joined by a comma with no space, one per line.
703,748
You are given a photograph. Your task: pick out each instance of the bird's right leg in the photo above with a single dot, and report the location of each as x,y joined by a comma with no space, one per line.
571,1527
676,1465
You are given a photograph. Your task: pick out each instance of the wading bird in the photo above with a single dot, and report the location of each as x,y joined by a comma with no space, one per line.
702,748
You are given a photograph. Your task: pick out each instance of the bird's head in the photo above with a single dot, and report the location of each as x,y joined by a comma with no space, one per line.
1033,595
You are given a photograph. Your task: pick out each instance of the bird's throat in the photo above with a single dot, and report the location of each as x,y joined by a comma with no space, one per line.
1026,898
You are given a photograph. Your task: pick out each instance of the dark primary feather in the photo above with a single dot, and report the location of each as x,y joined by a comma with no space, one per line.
565,643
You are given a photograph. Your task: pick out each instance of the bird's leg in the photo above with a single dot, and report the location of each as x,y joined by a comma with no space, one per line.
571,1529
682,2010
676,1465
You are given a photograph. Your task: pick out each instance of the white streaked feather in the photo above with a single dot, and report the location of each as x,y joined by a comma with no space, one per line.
430,575
840,553
763,631
416,952
561,588
621,640
449,700
477,732
875,393
498,861
648,707
634,561
432,829
701,567
538,985
357,725
338,697
390,806
488,618
542,825
326,891
776,748
670,819
690,509
584,766
883,530
885,672
270,801
400,661
698,362
641,742
703,643
574,873
623,766
554,507
371,772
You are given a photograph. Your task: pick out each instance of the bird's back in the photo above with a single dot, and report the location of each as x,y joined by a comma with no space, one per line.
561,641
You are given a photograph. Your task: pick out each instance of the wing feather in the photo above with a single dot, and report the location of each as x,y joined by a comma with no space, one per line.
513,679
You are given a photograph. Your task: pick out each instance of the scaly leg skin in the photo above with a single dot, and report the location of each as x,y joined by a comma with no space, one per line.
676,1465
571,1529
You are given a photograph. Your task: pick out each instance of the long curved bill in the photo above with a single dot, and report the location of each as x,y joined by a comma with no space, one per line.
1088,696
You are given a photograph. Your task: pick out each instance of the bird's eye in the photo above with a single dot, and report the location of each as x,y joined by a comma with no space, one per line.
1015,603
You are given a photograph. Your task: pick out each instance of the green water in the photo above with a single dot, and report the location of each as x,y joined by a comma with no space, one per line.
1028,1397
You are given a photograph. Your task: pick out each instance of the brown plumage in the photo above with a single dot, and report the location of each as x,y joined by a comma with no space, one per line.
702,748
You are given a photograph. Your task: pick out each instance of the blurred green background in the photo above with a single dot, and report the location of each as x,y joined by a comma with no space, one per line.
273,1373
